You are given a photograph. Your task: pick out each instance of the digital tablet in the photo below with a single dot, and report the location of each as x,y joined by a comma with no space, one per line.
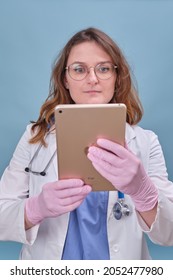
77,128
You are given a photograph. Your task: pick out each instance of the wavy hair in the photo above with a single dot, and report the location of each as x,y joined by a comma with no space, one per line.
125,90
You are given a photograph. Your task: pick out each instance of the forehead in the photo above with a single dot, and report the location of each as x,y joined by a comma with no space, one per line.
88,52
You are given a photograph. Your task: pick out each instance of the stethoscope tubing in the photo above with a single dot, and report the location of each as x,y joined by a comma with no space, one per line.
29,167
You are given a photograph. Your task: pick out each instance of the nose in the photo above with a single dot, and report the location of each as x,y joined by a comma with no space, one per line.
91,77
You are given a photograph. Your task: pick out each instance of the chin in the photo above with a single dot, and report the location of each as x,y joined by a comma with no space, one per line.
95,101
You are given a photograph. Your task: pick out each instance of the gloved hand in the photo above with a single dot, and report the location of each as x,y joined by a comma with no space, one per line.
55,199
125,171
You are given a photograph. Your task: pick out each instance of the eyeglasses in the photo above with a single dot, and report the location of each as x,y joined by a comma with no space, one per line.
79,71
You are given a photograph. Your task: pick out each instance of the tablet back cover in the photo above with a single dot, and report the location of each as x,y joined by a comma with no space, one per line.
77,128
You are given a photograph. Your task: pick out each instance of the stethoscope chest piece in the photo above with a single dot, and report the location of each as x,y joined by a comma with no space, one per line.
120,209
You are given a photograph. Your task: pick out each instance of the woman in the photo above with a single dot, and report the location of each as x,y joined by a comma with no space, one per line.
64,219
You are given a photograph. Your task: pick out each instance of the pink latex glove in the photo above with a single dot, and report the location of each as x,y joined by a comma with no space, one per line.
125,171
55,199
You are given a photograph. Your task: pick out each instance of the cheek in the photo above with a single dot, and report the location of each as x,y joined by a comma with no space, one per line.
73,87
74,91
109,91
113,85
70,84
110,87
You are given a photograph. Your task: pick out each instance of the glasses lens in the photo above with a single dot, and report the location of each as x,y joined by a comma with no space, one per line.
104,70
77,71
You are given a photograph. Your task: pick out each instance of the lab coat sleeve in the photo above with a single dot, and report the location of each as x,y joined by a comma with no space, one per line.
161,231
14,189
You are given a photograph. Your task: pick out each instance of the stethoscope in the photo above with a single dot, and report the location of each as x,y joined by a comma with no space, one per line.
44,171
120,208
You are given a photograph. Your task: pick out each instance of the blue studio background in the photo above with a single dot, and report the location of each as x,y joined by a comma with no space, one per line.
32,32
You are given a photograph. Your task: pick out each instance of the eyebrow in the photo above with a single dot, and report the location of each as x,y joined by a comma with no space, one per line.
80,62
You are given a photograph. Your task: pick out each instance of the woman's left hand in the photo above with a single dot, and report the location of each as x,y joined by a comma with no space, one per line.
125,171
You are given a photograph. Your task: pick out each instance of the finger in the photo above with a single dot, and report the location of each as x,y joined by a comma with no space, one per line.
75,198
65,193
71,200
104,173
73,206
98,153
113,147
67,183
108,167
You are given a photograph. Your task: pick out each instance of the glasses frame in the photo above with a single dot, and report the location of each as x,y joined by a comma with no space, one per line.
88,68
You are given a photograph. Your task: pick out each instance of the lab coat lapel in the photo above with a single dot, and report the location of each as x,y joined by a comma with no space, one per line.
52,149
130,133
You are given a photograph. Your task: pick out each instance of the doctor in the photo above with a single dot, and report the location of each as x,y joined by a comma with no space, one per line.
64,219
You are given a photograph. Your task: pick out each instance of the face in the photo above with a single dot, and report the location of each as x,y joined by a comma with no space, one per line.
91,89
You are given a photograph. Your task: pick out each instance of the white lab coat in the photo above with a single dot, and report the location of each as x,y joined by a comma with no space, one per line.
45,241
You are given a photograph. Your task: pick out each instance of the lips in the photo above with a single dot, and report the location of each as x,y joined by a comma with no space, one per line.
92,91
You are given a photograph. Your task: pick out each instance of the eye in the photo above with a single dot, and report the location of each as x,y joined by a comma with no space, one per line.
79,69
104,68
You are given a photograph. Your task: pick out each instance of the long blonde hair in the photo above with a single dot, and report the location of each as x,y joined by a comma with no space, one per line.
125,91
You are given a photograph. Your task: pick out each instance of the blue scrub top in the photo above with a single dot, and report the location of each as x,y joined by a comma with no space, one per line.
87,231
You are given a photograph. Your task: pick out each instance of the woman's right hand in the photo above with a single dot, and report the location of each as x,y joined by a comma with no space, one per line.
55,199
